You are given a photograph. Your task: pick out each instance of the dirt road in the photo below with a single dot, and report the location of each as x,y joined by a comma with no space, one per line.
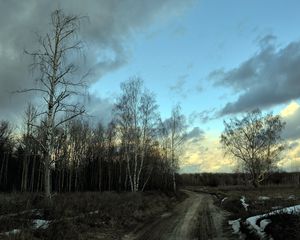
194,218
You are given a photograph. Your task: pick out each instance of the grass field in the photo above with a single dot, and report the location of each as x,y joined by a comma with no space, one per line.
89,215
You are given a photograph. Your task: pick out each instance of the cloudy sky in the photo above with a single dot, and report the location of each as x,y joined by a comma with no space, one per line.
217,58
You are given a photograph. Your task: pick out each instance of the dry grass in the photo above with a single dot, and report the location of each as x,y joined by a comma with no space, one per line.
87,215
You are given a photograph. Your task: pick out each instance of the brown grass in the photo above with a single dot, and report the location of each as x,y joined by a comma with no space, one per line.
81,215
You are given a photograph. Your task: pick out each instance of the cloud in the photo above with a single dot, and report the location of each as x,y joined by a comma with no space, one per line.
269,77
291,158
291,115
203,116
99,109
179,86
110,25
196,134
205,156
199,88
179,31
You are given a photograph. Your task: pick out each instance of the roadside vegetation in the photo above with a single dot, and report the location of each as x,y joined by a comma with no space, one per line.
89,215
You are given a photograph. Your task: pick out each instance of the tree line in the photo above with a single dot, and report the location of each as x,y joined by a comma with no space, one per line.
135,151
60,150
237,179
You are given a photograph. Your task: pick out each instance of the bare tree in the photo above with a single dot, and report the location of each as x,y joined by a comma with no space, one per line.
5,134
172,132
28,144
56,83
6,149
255,141
136,116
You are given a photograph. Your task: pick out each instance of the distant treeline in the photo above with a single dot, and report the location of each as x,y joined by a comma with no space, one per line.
86,159
229,179
20,172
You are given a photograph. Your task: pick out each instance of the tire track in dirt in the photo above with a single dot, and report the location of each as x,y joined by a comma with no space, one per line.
194,218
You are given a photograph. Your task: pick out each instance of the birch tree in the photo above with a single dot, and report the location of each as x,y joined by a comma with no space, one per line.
136,114
175,128
6,149
56,82
28,144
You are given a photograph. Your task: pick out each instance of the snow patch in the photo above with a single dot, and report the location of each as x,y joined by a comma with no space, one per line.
291,197
263,223
251,221
39,223
262,198
12,232
223,200
236,225
165,215
243,201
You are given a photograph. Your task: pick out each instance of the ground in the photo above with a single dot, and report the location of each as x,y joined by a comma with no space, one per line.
195,218
244,203
194,213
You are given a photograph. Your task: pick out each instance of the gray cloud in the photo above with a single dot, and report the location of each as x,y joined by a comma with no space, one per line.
270,77
293,145
292,128
179,86
203,116
99,109
199,88
195,135
111,23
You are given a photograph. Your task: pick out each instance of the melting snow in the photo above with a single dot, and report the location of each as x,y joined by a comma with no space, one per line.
39,223
235,224
263,198
292,197
12,232
245,205
223,199
260,229
263,223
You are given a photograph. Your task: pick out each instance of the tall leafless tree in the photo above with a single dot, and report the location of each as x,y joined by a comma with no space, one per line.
28,142
6,146
172,132
56,82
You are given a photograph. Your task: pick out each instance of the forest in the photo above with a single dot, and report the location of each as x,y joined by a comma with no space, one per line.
59,149
135,151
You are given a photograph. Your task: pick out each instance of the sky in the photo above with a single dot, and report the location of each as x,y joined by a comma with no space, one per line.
217,58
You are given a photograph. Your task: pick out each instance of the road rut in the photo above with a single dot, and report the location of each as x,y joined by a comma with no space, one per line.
194,218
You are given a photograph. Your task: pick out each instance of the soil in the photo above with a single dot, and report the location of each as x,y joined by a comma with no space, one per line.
195,218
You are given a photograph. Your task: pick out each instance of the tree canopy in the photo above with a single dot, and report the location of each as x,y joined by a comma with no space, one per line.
255,141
